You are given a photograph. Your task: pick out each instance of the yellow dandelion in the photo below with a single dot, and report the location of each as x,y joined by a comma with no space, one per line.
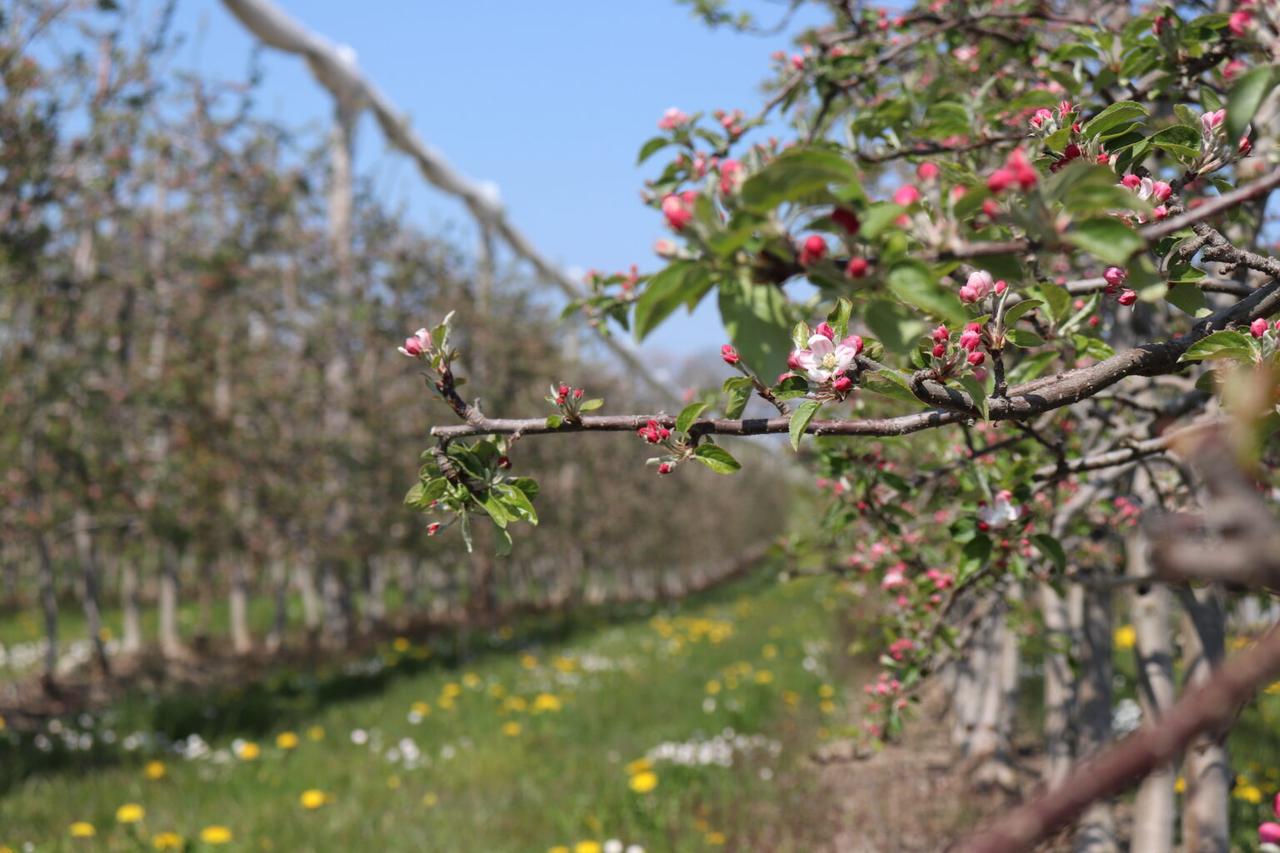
166,841
287,740
1249,793
546,702
644,782
155,770
83,829
315,733
565,664
400,645
1273,688
497,691
1125,637
587,847
1180,785
559,848
791,697
511,728
248,751
528,661
639,766
422,709
826,706
393,782
506,632
715,839
770,651
471,680
713,687
3,724
430,800
130,813
313,799
452,689
826,691
515,703
764,676
216,835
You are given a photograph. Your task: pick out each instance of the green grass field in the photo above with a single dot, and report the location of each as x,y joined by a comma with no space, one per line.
683,730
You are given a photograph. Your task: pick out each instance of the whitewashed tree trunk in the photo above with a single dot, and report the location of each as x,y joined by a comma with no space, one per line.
1206,767
170,638
238,602
305,578
131,629
280,601
1091,613
1154,807
1059,685
993,732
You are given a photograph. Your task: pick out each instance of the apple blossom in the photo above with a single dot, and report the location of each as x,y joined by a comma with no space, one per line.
729,354
1269,832
824,329
906,195
1114,277
856,268
1239,21
664,468
731,177
672,118
433,528
976,357
678,209
927,171
978,286
417,345
1127,297
1000,513
824,360
1258,327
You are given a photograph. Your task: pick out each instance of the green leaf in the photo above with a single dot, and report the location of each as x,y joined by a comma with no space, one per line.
666,291
1119,113
590,405
893,325
756,319
716,458
738,389
978,392
494,507
1224,344
1188,297
1013,314
689,414
502,542
1051,548
1107,239
793,175
517,503
974,556
915,284
414,496
1024,338
554,421
1056,299
651,147
1245,98
800,420
838,318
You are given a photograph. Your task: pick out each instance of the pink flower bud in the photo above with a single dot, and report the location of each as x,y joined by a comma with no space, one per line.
1161,190
846,219
1000,180
729,354
976,357
853,342
504,462
843,385
940,334
1131,181
413,347
970,340
792,361
677,211
939,350
1127,297
672,119
1114,277
664,248
433,528
813,250
1258,327
927,171
1042,115
1159,212
1269,832
973,327
563,390
577,393
856,268
1245,146
824,329
664,468
1001,286
1233,69
1239,21
906,195
990,207
1211,121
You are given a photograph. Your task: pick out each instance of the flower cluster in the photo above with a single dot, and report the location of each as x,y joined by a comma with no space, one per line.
570,402
979,286
1115,278
1149,190
678,209
1216,150
825,362
1016,171
968,345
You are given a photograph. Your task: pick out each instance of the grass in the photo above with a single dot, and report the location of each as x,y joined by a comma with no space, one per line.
500,768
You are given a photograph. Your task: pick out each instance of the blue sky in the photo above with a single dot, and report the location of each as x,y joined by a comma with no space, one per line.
549,100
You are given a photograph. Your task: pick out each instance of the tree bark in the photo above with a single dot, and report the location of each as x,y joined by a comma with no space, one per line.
1154,808
90,598
280,599
1059,685
49,606
170,640
131,633
1205,766
238,594
1091,613
305,577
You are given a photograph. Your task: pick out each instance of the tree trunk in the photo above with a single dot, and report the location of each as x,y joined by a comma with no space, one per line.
1091,613
1154,808
305,578
1205,766
89,594
375,598
280,599
170,641
49,606
337,606
241,639
131,633
1059,685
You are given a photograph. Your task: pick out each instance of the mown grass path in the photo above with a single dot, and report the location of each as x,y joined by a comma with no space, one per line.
683,731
